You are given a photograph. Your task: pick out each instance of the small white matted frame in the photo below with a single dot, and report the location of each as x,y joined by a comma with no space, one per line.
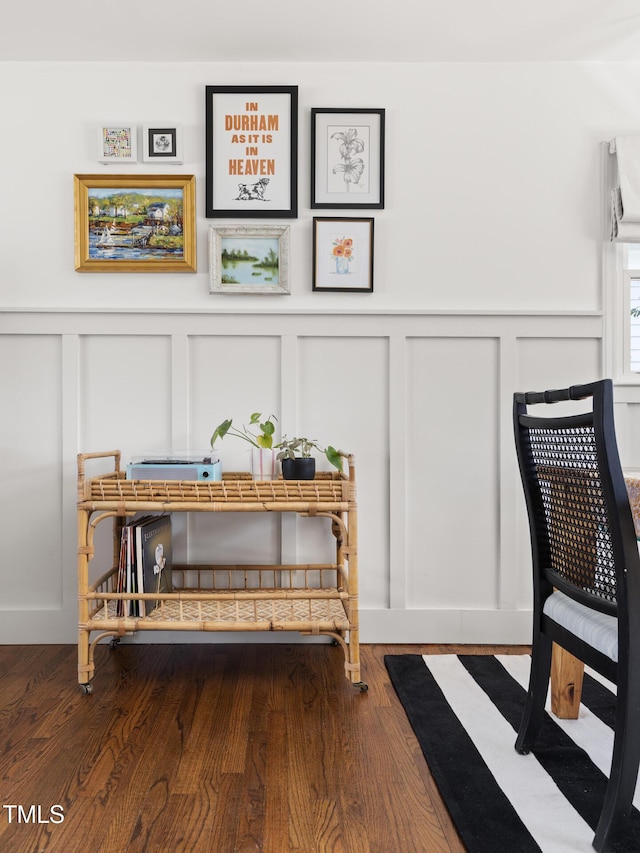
249,259
118,143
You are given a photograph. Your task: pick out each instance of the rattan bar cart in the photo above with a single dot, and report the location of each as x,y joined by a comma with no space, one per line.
309,599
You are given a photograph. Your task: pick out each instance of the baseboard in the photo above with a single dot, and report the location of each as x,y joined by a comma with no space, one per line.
496,627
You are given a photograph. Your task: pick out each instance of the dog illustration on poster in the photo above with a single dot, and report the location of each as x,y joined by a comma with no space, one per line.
253,192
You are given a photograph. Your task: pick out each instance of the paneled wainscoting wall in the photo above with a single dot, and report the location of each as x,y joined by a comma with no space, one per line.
423,400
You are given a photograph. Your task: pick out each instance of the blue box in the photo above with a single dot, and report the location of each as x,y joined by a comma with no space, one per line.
199,466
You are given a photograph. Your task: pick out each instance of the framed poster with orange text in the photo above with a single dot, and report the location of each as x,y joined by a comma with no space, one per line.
252,151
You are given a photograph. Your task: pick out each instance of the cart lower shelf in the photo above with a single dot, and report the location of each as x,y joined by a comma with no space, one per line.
323,610
197,610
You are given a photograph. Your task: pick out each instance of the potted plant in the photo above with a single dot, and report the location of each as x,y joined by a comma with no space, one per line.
263,458
301,466
297,461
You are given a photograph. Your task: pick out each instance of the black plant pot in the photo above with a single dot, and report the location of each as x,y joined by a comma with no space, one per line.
299,469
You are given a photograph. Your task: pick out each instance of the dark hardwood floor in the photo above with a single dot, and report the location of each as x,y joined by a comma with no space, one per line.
221,748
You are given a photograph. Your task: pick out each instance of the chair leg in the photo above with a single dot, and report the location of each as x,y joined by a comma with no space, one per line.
537,695
623,775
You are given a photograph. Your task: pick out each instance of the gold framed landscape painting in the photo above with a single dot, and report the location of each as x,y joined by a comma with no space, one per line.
135,223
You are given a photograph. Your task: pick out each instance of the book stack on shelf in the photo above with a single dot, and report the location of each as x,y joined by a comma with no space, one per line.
145,562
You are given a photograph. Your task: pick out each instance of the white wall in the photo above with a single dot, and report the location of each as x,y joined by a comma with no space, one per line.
487,279
492,178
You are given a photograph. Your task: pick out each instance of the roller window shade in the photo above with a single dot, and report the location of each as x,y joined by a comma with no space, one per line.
625,196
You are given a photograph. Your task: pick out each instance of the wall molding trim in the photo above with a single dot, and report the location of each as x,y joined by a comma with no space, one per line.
382,381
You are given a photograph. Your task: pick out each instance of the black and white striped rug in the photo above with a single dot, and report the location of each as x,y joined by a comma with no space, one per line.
465,711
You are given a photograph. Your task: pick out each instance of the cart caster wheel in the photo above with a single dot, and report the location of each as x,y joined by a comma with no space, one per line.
362,686
86,689
113,643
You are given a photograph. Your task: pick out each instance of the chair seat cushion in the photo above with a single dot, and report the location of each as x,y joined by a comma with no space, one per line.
597,629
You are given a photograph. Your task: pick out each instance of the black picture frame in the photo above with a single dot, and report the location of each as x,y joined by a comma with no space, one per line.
162,143
347,158
342,254
251,152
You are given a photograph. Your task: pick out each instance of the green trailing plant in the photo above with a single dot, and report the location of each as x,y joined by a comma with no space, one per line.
334,457
293,448
262,437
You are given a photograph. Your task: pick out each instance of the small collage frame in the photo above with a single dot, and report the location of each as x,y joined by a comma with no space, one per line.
146,223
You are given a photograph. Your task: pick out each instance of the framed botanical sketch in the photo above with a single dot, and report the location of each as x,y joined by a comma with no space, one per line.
343,255
162,143
249,259
251,151
118,143
347,158
135,223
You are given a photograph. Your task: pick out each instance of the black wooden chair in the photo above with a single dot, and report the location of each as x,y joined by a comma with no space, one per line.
586,570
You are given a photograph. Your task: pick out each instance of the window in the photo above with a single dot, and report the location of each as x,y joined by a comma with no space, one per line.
624,313
632,290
